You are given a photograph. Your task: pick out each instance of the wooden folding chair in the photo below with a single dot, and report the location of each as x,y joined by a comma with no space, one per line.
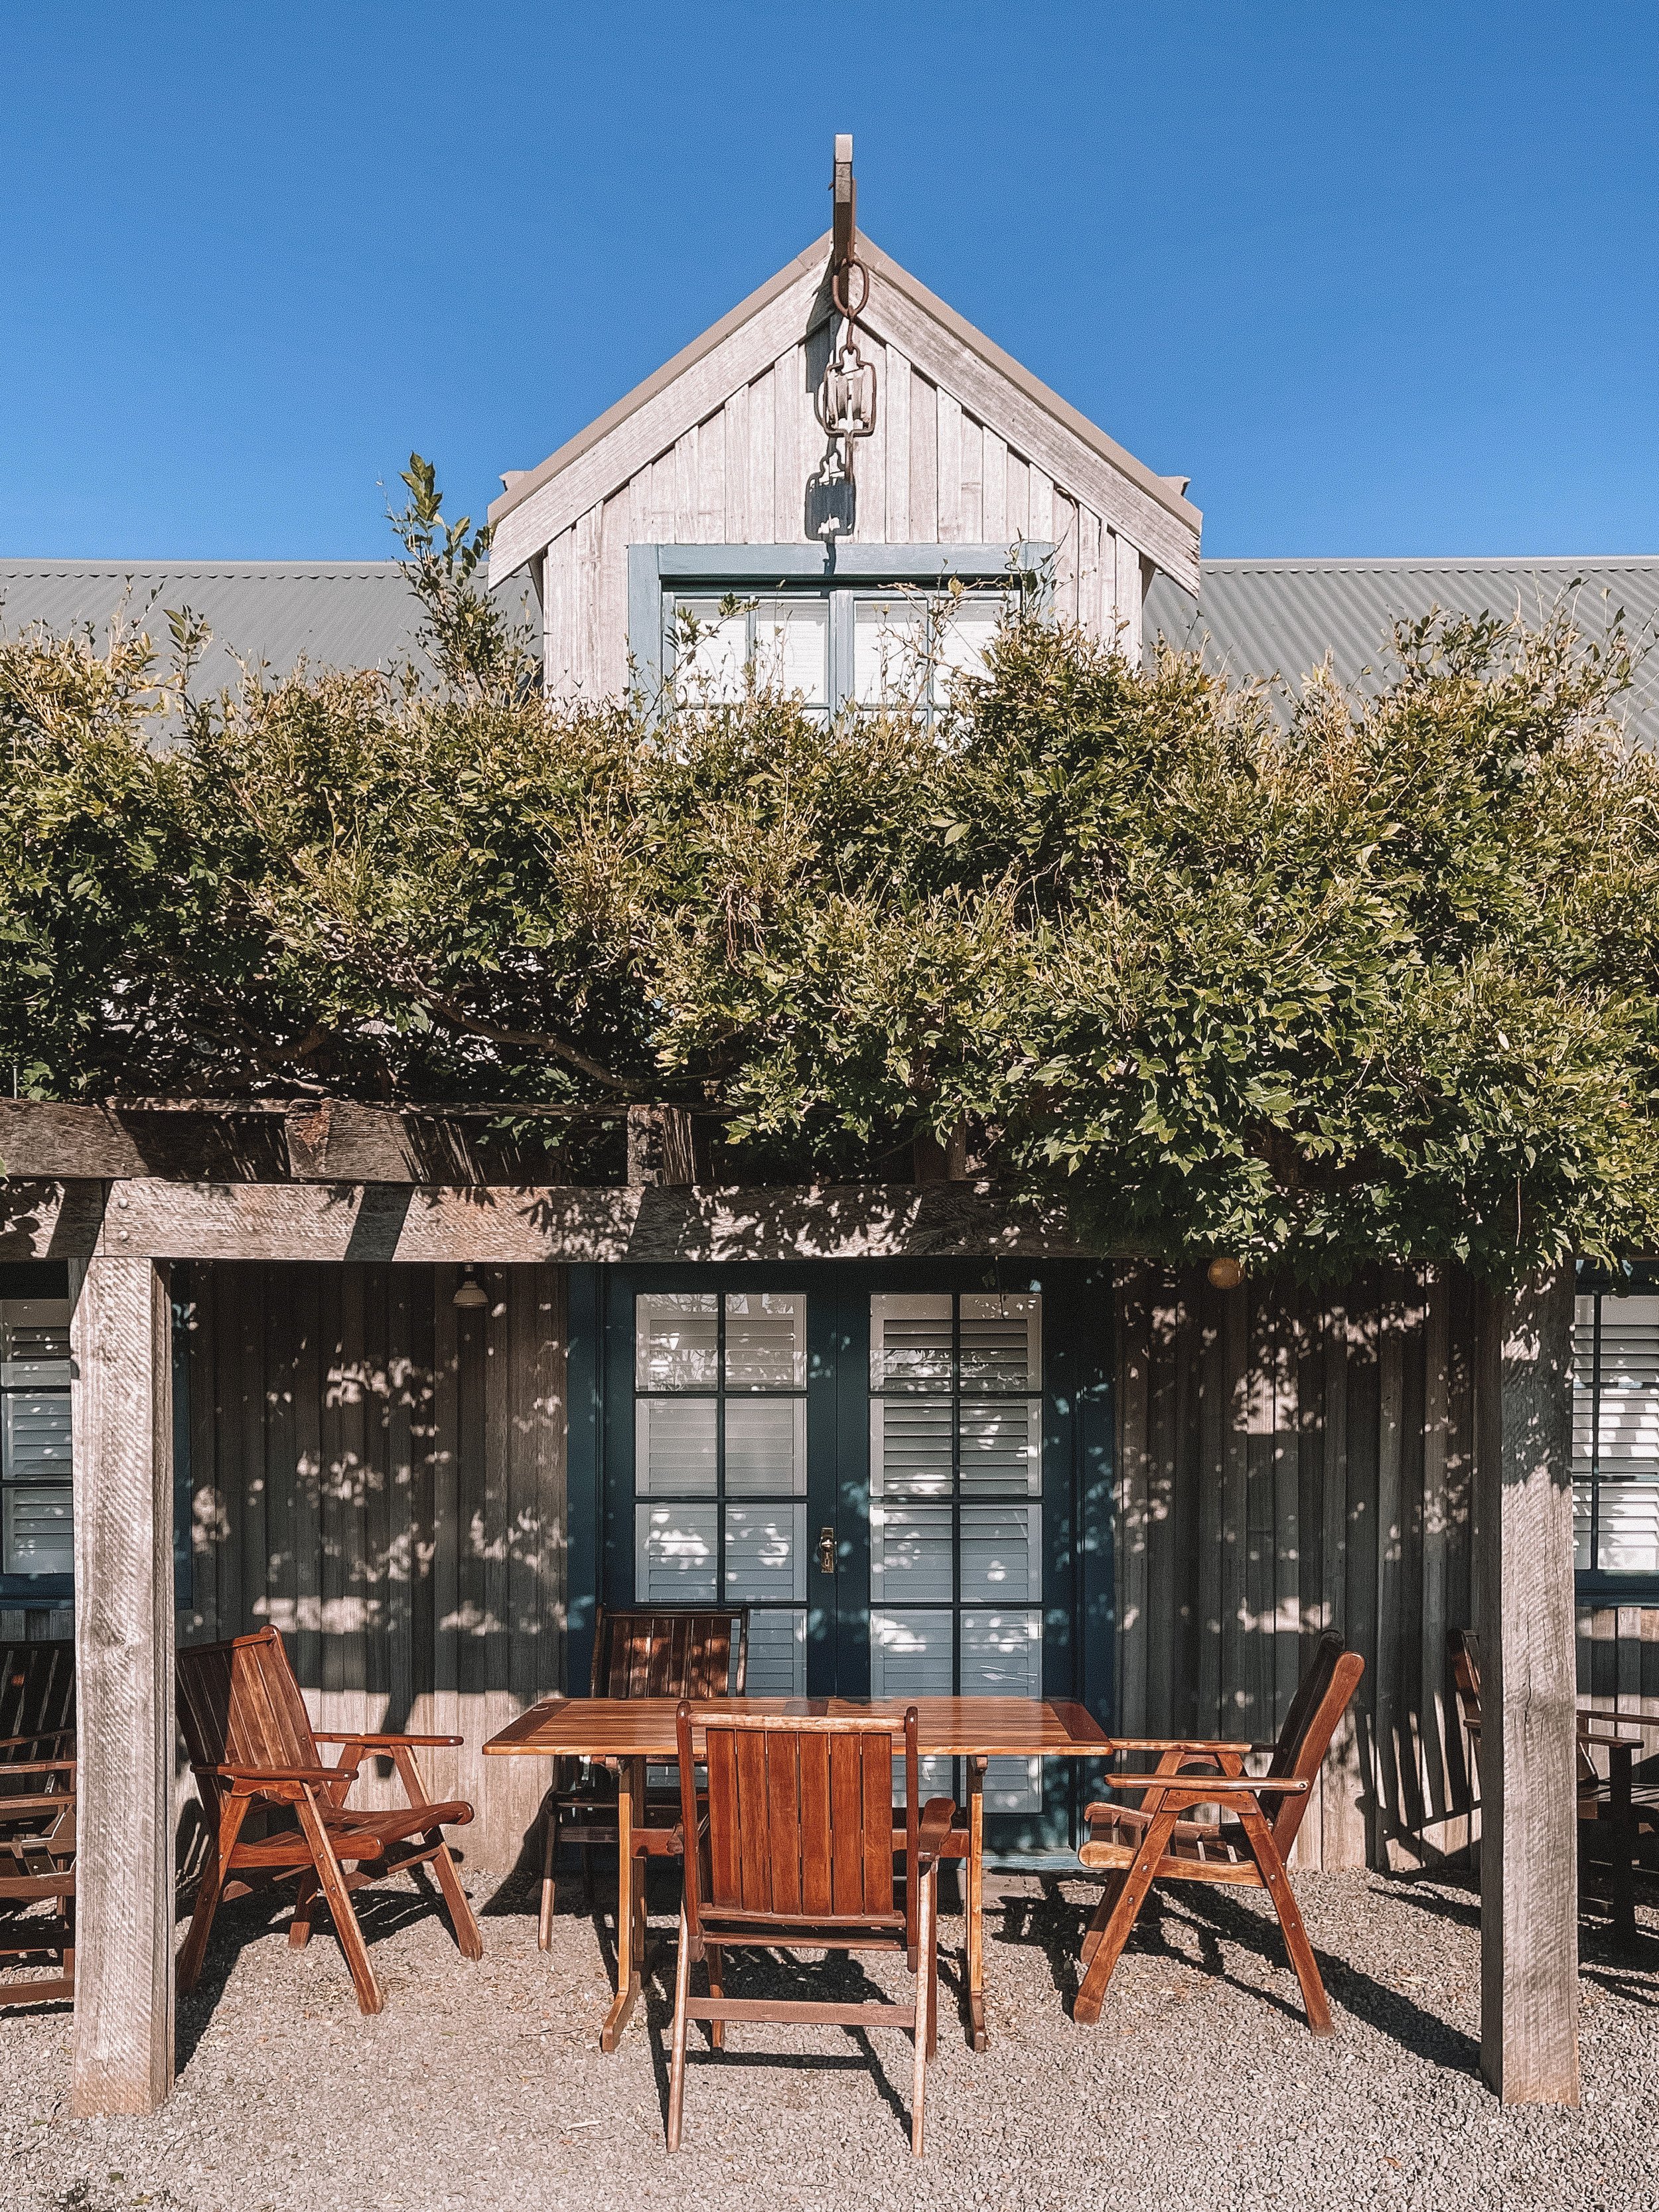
1250,1847
36,1819
251,1744
796,1850
639,1651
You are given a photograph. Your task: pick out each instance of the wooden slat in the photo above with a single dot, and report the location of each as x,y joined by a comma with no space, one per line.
614,641
947,481
817,1840
870,457
993,523
973,481
789,465
122,1466
924,462
896,397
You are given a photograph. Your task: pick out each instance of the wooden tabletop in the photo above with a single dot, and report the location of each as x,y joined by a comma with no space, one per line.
968,1728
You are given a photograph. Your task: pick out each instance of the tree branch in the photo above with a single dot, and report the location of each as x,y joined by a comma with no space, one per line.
457,1017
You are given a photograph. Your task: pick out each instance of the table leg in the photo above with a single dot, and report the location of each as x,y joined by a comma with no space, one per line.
1620,1757
977,2036
630,1901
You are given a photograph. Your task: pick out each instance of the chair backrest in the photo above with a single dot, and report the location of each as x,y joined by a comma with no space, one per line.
800,1817
1464,1646
669,1652
37,1696
1322,1696
239,1705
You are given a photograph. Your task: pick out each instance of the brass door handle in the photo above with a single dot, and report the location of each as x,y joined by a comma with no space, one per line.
826,1551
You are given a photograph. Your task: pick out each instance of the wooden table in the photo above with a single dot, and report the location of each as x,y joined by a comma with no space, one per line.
628,1733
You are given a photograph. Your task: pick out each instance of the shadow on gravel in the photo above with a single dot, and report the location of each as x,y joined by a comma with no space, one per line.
776,1974
1056,1926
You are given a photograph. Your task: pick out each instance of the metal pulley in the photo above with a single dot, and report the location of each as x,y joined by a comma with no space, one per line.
845,401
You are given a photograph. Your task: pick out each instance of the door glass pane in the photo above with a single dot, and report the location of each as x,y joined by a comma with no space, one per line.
777,1653
765,1343
911,1656
910,1343
1616,1435
792,646
910,1554
675,1450
966,627
36,1522
675,1348
765,1553
765,1446
676,1560
1000,1445
999,1563
1001,1347
1002,1657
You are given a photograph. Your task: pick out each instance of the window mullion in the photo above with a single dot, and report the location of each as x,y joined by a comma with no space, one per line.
1595,1435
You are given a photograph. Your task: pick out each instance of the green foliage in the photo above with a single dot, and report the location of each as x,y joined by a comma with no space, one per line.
1380,980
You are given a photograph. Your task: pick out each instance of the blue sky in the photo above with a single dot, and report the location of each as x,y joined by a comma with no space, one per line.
1382,279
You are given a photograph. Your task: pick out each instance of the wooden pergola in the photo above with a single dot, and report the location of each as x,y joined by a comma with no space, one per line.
120,1196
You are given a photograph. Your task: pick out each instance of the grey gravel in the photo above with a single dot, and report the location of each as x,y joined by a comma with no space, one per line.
482,2084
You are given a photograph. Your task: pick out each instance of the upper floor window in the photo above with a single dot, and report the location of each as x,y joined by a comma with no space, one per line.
877,626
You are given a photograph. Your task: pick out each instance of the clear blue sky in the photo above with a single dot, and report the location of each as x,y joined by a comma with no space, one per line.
1382,279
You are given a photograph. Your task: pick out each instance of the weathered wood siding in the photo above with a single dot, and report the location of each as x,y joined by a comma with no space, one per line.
932,473
1291,1463
380,1474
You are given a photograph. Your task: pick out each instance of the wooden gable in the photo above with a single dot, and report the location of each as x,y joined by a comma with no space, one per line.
717,447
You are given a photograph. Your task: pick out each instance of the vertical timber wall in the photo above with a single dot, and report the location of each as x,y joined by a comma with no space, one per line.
380,1474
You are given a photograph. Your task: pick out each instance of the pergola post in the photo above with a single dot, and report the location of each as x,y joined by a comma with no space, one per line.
1524,1573
122,1394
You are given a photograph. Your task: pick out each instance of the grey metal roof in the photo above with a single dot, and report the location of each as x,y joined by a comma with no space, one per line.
1280,618
334,614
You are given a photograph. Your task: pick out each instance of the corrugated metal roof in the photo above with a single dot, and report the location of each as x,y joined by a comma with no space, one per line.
334,614
1281,617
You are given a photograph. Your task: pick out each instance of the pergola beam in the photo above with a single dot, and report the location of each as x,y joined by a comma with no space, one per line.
122,1410
1524,1602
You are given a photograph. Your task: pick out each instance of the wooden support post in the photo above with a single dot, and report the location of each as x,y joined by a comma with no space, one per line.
1529,1845
122,1456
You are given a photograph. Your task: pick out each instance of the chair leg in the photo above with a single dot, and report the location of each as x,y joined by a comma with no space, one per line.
1277,1882
682,2022
350,1935
1096,1929
1085,2007
221,1845
716,1961
549,1852
930,1967
304,1906
927,1937
467,1938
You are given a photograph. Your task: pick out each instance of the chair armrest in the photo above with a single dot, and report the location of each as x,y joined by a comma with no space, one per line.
257,1774
369,1741
1206,1788
937,1815
35,1766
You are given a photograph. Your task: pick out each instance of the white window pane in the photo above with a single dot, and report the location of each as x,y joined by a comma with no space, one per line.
39,1530
765,1341
676,1342
674,1554
765,1446
1001,1447
966,629
909,1343
910,1447
910,1554
777,1654
888,651
674,1446
1002,1657
1000,1556
1002,1341
911,1656
36,1433
792,646
711,667
765,1553
1630,1527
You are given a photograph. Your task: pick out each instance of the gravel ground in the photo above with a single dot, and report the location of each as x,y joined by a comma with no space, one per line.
482,2084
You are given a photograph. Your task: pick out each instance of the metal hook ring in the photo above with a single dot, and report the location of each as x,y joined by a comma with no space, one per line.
838,287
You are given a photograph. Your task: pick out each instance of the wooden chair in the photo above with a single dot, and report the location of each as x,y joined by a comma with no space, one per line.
1625,1810
37,1817
639,1651
795,1851
1250,1847
251,1745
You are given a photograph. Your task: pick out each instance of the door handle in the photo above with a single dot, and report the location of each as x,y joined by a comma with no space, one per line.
826,1551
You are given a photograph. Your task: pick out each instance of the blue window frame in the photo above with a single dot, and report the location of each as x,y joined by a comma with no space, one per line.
851,624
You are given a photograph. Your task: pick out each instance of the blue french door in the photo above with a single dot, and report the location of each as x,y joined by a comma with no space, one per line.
902,1469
